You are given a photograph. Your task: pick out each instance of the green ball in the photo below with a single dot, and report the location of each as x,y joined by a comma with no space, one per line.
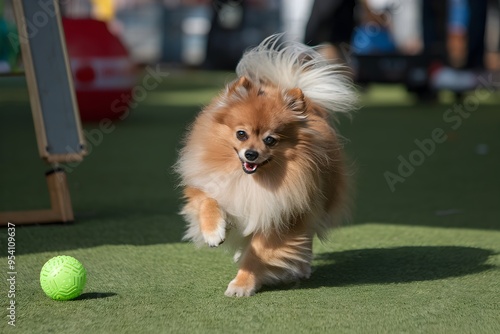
63,278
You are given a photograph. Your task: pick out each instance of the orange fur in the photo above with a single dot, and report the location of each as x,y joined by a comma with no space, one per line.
274,200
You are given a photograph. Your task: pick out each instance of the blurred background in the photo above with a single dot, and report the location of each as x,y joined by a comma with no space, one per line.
421,43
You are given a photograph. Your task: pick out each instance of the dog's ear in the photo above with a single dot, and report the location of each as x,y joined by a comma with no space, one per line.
294,98
240,85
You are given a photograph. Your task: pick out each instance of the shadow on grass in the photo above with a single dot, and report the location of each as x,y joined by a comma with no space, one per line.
392,265
396,265
124,228
95,295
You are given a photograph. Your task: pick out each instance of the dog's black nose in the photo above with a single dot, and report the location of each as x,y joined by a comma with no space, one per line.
251,155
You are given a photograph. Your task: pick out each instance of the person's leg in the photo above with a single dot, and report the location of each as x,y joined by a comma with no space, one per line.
434,18
342,24
476,32
324,15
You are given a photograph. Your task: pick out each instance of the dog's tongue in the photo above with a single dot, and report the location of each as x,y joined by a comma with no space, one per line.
250,166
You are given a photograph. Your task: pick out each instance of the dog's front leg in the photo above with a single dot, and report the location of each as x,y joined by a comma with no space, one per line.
206,220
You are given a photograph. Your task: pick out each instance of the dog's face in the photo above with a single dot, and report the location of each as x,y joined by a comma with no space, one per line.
254,148
260,123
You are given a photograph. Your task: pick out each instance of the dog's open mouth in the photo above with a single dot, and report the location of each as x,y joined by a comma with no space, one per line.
249,167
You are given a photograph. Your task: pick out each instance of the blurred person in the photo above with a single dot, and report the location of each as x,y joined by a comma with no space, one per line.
404,22
434,14
331,25
492,61
456,29
476,33
454,33
457,32
237,25
226,28
294,17
386,26
372,35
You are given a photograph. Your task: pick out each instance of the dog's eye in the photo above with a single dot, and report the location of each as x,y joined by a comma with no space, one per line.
270,141
241,135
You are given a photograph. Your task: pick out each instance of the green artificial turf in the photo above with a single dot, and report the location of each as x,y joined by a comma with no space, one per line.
423,258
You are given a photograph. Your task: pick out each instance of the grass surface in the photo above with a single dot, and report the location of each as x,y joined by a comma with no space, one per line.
423,258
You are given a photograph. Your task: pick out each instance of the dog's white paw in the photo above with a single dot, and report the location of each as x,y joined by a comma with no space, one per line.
217,236
234,290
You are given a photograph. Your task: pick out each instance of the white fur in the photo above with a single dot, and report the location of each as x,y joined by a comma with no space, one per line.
292,64
256,208
216,237
194,232
236,291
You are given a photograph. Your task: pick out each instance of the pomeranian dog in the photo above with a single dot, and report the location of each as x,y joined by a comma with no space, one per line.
262,167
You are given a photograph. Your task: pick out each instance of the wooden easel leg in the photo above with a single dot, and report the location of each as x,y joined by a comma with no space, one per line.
60,199
61,210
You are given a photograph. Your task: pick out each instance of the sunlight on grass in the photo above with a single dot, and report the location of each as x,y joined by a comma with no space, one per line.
386,95
392,95
181,98
374,95
483,96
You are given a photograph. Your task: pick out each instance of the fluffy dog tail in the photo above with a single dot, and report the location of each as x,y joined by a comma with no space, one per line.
292,64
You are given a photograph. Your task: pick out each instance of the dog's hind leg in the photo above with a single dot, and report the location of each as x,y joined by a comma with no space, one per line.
272,259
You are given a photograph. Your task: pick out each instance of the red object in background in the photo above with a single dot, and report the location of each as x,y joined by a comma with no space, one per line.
103,73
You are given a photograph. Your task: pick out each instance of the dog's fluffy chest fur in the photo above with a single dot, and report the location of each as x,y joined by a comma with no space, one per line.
253,206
